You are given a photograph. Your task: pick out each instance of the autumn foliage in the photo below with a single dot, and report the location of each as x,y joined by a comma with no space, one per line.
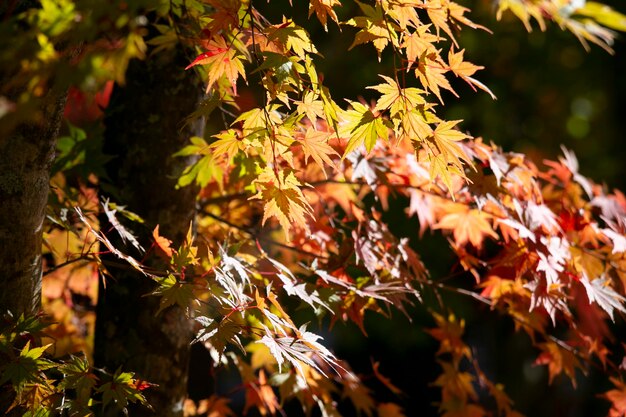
293,196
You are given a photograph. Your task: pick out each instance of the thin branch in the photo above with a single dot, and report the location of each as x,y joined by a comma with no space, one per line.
86,258
256,236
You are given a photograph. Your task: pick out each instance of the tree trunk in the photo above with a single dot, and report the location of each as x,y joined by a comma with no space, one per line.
26,156
143,129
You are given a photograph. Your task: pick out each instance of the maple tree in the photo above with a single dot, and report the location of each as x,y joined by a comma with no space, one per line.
246,193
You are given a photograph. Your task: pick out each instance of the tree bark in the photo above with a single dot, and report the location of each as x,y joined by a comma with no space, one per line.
144,127
26,156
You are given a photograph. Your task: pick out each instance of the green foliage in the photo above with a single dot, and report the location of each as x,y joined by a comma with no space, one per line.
41,386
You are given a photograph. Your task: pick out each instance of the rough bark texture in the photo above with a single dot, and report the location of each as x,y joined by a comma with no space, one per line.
143,129
26,156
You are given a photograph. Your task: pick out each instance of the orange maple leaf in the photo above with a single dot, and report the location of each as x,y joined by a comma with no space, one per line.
468,225
559,360
323,9
222,61
419,42
163,243
389,410
617,397
465,70
261,395
315,145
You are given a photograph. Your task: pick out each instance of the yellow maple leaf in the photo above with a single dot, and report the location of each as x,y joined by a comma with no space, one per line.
324,9
445,155
228,143
413,126
397,98
445,137
431,73
293,37
402,11
374,28
283,200
419,42
311,106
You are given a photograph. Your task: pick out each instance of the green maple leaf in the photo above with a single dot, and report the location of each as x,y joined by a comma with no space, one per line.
121,390
26,368
362,127
174,292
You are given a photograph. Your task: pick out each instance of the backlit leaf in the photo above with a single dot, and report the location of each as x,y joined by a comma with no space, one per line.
283,200
362,128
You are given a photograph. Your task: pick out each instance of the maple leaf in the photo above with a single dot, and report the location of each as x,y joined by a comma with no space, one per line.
438,14
228,143
455,384
293,37
315,145
413,126
465,70
121,389
449,333
218,334
283,200
430,72
311,107
404,12
361,127
110,210
444,13
445,155
77,375
374,28
299,351
224,15
261,395
523,10
617,397
173,292
323,9
36,396
559,360
600,292
359,395
395,98
468,225
204,169
163,243
421,42
308,294
26,368
390,410
222,61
